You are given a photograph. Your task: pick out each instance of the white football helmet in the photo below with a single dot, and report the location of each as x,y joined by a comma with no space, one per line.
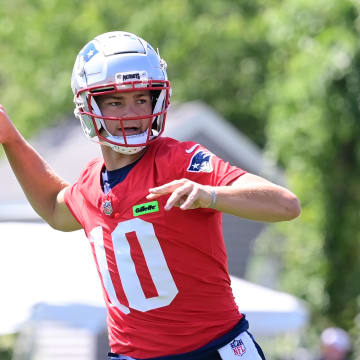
117,62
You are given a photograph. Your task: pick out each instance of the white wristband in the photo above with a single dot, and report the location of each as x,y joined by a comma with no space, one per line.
213,198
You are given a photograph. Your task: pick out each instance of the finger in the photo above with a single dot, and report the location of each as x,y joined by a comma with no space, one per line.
166,188
190,199
176,197
153,196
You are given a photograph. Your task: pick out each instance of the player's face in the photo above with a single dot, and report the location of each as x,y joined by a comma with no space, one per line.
128,104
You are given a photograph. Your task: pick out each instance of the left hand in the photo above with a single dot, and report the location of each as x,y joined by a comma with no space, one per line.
185,194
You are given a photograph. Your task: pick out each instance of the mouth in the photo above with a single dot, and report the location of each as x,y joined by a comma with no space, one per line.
130,130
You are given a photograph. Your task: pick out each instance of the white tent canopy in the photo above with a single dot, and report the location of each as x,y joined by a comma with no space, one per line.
42,265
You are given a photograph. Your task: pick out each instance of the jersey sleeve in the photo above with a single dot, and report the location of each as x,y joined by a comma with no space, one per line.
76,195
75,202
204,167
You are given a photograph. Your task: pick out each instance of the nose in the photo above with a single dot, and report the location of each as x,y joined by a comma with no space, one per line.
128,111
133,109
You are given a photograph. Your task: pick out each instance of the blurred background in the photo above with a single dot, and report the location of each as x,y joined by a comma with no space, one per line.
284,73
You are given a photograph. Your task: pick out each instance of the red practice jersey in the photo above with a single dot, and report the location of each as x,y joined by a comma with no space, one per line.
164,273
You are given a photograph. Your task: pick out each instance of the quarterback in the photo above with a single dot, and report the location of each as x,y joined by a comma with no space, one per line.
151,208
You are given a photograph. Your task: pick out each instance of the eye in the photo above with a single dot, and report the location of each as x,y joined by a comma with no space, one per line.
142,101
115,103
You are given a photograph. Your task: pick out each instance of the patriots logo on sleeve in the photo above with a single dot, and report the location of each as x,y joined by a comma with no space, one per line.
201,162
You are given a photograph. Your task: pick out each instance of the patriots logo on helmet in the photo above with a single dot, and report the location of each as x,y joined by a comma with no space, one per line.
201,162
89,51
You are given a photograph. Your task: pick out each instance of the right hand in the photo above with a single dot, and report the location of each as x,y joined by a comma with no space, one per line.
7,129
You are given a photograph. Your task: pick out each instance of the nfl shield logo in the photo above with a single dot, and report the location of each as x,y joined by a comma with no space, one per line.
238,347
107,207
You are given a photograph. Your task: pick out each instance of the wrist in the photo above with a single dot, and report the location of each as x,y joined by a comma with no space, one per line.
213,197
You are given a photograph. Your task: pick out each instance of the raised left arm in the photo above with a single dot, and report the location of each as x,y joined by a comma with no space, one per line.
250,196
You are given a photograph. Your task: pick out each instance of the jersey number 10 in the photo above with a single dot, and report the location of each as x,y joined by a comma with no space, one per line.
155,261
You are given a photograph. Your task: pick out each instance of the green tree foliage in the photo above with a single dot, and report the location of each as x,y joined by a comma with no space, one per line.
313,128
6,346
284,72
202,41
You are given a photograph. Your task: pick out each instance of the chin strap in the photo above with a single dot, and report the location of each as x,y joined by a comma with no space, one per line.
130,139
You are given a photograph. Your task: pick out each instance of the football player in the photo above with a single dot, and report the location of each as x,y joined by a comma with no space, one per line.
151,208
